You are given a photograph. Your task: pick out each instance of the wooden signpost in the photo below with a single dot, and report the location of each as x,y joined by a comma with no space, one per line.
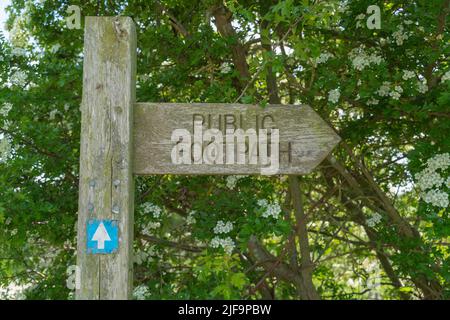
121,138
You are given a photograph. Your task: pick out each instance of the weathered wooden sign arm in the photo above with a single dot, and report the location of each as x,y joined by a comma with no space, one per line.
120,138
304,138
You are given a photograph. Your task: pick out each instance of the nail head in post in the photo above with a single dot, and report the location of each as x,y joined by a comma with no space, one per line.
115,209
116,183
92,183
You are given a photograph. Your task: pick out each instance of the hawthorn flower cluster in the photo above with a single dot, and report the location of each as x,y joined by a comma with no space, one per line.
372,102
191,218
18,52
359,20
269,209
14,291
407,74
55,48
439,162
140,257
227,244
149,207
141,292
334,95
446,76
18,78
422,86
386,90
151,226
225,67
361,58
52,114
374,220
323,57
430,181
400,35
223,227
436,198
4,110
5,149
233,180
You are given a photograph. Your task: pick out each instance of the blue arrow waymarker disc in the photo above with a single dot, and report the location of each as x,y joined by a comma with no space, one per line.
102,236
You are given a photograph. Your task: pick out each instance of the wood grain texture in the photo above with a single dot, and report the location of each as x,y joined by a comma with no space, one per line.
106,181
310,137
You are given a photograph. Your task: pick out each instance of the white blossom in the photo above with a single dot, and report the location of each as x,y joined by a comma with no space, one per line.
374,220
191,218
14,291
4,110
227,244
343,7
372,102
55,48
140,292
262,202
149,207
430,181
384,89
232,181
225,67
333,95
400,35
5,149
422,86
152,225
52,114
362,59
140,256
18,78
359,19
436,198
223,227
323,57
18,52
407,74
446,76
269,209
439,161
396,92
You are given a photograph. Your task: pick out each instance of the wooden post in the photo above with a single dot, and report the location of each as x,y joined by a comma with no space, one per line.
106,180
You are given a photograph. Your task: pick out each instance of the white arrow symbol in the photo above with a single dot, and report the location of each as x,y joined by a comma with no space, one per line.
101,235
